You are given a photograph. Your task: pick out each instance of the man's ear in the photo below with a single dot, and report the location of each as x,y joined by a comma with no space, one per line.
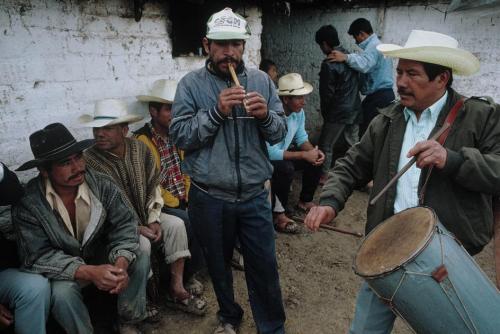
443,78
206,44
125,130
152,111
43,172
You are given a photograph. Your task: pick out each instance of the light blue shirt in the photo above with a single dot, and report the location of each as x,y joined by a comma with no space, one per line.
376,70
296,134
416,130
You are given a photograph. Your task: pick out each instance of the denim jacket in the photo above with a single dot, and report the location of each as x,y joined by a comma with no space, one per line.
46,247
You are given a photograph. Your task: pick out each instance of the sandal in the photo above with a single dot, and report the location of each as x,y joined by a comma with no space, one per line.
152,313
290,227
194,287
192,304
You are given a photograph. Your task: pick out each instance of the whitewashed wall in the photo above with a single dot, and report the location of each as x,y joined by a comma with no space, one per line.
58,57
289,41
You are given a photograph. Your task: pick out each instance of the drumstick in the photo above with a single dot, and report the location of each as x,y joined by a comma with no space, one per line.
233,75
333,228
407,166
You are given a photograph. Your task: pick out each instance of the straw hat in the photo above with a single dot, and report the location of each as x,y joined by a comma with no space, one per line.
108,112
434,48
292,84
226,25
163,91
53,143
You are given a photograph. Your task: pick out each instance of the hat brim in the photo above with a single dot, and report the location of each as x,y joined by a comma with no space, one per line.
462,62
75,148
149,98
88,121
308,88
224,35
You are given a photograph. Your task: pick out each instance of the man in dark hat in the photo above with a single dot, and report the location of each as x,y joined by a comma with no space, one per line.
75,227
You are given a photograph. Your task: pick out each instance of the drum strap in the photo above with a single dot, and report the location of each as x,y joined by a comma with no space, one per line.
450,118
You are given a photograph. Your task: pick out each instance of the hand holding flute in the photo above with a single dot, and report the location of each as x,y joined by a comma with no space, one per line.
254,103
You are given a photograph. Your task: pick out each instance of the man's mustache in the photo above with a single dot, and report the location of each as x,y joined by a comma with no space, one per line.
74,176
404,92
227,60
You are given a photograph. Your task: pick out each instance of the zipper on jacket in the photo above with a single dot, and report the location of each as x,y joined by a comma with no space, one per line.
236,148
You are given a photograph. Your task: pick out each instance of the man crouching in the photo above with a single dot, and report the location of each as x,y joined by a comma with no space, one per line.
75,228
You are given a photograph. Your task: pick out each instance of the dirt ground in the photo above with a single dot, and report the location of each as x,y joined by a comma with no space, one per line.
318,284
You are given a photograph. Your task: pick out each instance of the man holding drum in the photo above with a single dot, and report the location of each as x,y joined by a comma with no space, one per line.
458,178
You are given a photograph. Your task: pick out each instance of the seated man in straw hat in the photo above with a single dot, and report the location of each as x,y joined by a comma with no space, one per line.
458,177
130,163
75,227
174,183
294,151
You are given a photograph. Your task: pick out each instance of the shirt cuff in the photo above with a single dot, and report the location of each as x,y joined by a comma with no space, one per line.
1,172
266,122
331,202
215,116
453,162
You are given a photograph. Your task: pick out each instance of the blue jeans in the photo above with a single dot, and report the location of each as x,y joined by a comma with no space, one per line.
216,224
371,316
28,296
71,313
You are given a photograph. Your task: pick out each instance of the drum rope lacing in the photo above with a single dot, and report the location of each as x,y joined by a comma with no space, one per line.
390,303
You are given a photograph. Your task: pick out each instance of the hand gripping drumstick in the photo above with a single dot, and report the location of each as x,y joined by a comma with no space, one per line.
333,228
407,166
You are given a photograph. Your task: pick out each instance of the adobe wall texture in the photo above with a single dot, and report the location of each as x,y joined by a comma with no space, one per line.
58,57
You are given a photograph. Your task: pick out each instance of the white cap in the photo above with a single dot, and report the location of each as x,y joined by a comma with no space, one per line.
226,25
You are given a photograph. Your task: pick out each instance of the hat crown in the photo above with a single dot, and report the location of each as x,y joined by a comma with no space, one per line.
164,89
110,109
290,82
226,24
418,38
51,140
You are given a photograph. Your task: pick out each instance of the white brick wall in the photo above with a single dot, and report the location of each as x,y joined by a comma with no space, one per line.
58,57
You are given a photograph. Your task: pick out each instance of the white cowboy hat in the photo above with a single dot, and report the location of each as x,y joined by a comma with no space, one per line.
163,91
226,25
292,84
435,48
108,112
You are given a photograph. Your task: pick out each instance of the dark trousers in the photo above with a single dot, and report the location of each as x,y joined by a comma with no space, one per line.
283,177
379,99
196,262
217,223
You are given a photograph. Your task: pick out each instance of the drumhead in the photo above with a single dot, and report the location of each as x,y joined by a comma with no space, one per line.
395,241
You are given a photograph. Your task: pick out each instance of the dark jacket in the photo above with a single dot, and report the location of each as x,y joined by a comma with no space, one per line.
339,92
461,193
226,153
45,245
10,192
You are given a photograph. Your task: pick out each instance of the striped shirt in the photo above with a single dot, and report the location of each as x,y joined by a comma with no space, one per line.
416,130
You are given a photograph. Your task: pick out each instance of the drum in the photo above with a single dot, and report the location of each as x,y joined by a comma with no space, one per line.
423,273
